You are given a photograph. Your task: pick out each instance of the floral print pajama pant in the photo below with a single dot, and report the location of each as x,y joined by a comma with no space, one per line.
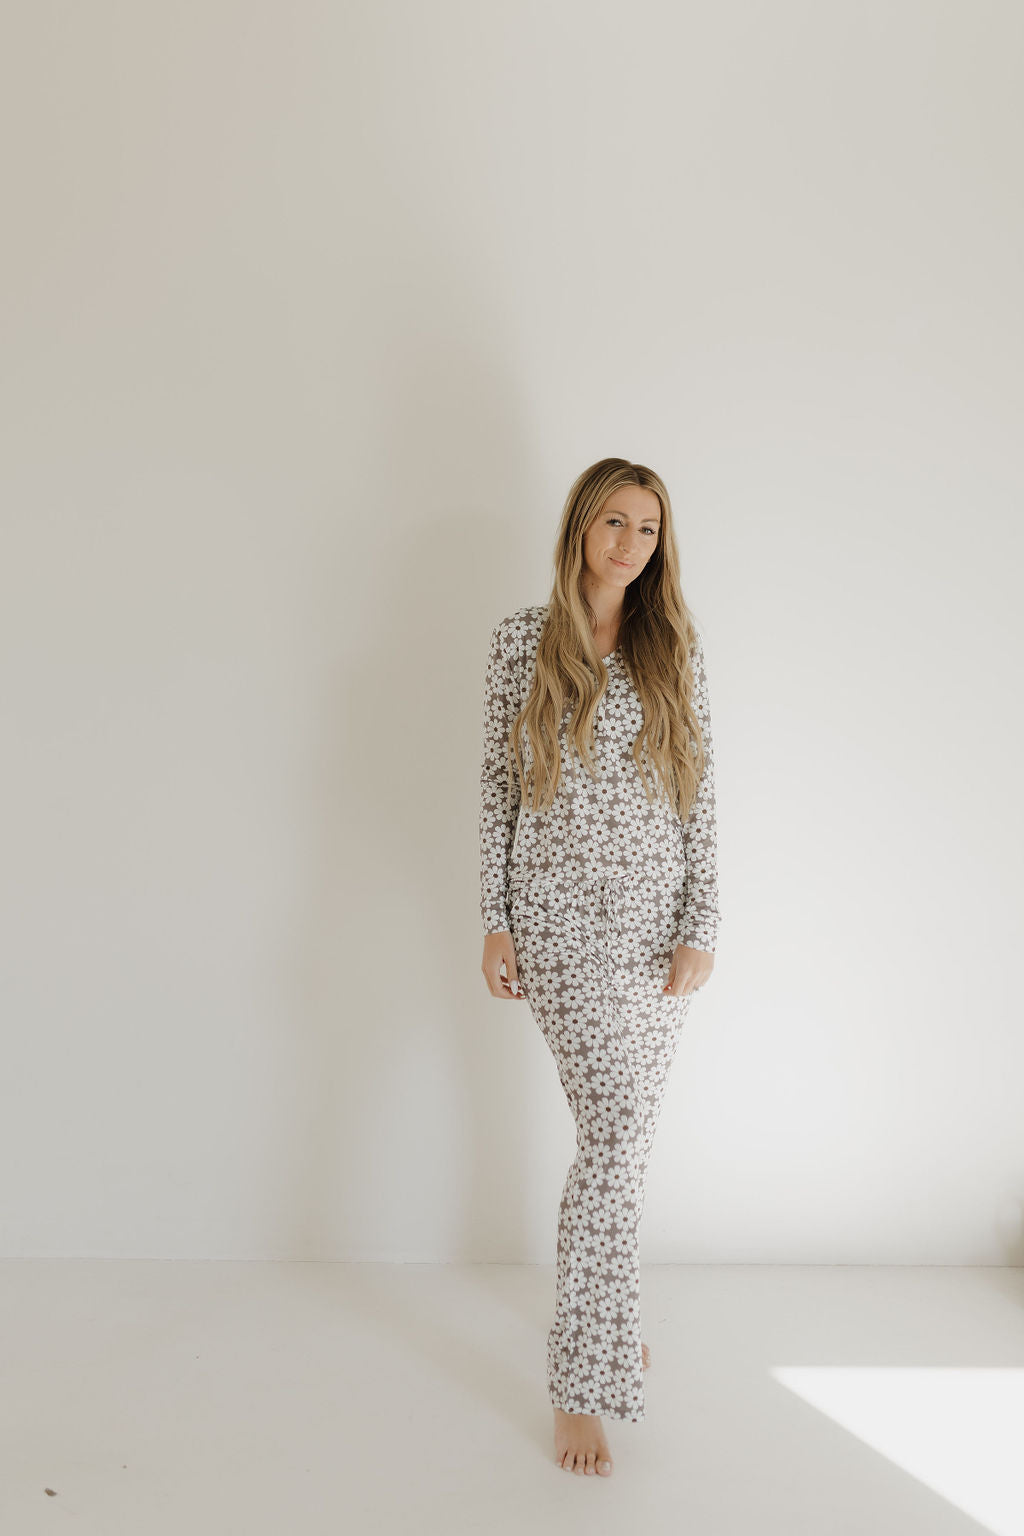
593,957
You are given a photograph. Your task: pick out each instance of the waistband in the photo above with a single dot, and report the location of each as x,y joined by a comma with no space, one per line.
609,889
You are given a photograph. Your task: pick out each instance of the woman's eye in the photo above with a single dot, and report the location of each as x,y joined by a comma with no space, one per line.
643,530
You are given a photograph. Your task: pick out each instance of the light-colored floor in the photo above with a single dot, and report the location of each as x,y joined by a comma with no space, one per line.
191,1398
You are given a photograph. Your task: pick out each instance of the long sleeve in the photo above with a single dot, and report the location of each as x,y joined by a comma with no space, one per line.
497,819
701,916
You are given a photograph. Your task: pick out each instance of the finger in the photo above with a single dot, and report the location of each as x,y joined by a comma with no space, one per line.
512,981
503,986
496,983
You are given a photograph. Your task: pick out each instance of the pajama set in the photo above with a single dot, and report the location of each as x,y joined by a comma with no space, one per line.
597,891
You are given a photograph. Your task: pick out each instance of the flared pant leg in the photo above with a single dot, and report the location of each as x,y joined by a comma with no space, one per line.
592,958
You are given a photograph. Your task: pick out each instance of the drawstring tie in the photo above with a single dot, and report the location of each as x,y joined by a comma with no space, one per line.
612,897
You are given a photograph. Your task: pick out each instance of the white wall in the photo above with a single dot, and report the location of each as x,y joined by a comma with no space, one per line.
311,315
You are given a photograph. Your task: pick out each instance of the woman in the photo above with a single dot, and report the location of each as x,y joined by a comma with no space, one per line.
599,895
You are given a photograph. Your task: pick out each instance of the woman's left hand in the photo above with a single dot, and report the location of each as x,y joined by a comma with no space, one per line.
690,970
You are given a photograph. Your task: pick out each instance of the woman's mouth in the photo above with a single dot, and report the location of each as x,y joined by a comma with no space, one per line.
626,565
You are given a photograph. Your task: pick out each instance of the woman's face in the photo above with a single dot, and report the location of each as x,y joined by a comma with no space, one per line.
623,536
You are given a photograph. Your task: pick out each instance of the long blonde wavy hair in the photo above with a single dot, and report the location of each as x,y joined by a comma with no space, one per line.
656,642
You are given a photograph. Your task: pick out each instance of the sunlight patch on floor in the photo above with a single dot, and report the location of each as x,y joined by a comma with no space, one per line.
958,1430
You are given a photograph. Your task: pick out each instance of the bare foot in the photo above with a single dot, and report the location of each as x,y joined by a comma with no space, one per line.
646,1354
580,1445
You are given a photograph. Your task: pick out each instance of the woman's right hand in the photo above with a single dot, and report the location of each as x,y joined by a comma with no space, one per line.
498,947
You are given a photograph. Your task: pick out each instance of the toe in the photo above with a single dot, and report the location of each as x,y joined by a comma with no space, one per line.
604,1468
591,1459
